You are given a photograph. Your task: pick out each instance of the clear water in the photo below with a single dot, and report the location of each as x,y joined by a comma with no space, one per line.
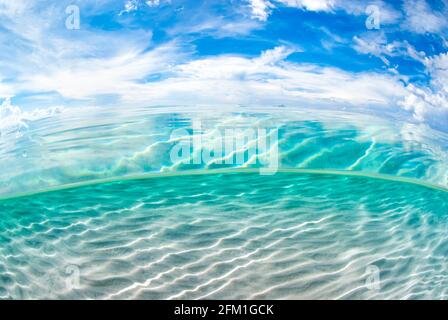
229,235
85,145
93,207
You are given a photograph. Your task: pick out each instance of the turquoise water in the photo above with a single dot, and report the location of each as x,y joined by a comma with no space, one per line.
93,206
86,145
234,235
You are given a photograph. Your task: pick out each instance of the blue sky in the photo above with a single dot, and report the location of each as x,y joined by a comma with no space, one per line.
387,56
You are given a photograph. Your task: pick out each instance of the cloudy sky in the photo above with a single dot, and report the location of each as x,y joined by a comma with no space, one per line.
387,56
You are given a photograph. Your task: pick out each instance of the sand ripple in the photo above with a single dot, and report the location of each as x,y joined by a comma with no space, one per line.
233,236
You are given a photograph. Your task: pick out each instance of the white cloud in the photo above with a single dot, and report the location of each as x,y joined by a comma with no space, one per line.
437,67
426,104
39,55
310,5
430,104
86,78
420,18
260,9
269,80
13,8
13,119
217,27
275,55
153,3
376,44
388,14
5,90
134,5
265,81
130,5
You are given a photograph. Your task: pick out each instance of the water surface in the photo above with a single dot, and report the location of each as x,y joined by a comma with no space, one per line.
93,206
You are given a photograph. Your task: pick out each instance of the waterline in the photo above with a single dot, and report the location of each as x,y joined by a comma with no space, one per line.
154,175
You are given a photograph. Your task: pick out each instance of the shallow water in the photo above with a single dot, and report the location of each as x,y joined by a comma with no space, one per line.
228,235
86,145
93,205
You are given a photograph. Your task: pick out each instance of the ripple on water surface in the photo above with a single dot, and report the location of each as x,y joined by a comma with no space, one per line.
94,144
233,235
